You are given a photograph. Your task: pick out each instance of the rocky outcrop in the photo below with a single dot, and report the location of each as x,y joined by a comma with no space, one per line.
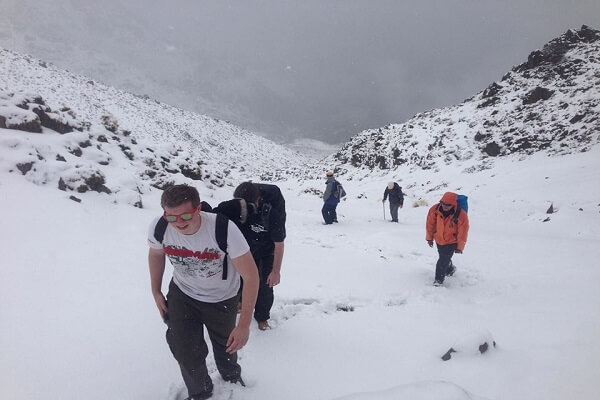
548,104
135,142
84,155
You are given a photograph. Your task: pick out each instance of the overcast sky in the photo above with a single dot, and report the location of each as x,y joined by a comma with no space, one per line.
305,68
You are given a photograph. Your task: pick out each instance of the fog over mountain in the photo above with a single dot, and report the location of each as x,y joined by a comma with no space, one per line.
303,69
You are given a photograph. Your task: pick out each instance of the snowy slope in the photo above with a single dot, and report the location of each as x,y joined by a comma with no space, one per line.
549,103
356,316
131,143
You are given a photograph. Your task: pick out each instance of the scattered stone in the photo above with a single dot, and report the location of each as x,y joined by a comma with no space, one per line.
76,199
448,354
25,167
76,152
62,185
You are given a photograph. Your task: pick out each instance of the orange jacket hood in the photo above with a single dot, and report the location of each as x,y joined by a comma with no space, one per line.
450,198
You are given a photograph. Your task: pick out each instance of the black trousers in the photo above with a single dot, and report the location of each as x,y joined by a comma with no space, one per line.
444,262
186,319
265,298
394,211
329,213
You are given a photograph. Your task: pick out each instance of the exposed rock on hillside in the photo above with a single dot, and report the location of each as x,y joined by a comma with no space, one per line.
79,135
550,103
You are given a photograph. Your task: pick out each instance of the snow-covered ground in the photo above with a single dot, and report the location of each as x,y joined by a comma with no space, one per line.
356,316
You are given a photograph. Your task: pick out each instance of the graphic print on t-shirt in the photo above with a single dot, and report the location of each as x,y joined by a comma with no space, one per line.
201,264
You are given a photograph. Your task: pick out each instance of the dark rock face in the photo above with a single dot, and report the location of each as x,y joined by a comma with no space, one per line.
492,149
96,183
191,172
48,121
537,94
491,90
33,126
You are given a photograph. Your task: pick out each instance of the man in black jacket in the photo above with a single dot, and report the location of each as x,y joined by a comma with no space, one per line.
396,199
259,211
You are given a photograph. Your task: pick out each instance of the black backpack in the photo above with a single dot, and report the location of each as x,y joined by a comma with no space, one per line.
273,202
220,233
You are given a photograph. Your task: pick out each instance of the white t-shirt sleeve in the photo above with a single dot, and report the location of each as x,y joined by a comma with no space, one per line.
152,242
236,243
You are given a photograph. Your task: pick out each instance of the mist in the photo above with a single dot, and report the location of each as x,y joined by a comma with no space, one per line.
293,69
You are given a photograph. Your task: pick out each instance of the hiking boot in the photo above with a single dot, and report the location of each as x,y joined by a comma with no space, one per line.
451,270
237,380
438,283
263,325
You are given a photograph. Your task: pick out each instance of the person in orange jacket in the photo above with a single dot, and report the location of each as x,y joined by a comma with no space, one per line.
448,225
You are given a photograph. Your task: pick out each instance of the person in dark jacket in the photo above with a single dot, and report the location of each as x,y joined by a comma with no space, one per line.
330,199
394,191
258,209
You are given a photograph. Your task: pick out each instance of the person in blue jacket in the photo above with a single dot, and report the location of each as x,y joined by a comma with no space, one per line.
330,199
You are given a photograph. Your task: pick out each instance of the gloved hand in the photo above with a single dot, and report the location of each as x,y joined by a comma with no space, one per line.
457,251
383,200
430,243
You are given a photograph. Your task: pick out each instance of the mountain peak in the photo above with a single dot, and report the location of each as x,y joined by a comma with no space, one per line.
548,104
554,51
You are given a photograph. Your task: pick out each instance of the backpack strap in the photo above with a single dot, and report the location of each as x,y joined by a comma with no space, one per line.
456,214
221,234
159,230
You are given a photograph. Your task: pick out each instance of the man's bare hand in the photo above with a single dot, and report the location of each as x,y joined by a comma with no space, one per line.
237,339
161,304
273,279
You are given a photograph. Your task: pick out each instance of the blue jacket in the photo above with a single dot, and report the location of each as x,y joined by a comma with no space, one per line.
330,189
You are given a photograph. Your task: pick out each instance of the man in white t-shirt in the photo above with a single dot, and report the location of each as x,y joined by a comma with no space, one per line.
201,293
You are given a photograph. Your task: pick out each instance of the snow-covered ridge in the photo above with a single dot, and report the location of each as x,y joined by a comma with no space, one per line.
63,129
550,103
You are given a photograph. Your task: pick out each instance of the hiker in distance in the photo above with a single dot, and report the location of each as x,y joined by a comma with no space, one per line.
259,211
331,199
448,225
394,191
204,288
